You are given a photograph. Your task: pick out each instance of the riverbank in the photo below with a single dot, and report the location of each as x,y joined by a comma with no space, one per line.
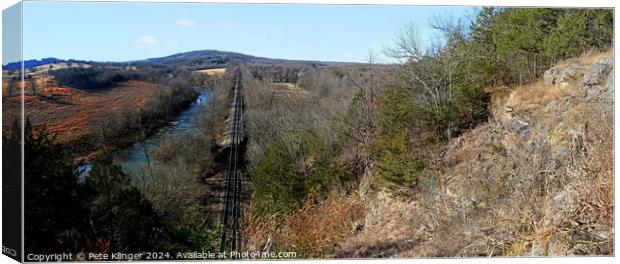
71,112
134,157
122,128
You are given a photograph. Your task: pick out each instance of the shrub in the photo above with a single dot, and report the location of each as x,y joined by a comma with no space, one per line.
396,163
312,232
278,185
118,211
54,212
91,78
293,169
104,213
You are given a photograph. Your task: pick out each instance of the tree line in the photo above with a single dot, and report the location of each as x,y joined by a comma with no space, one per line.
390,122
445,79
438,91
103,212
276,73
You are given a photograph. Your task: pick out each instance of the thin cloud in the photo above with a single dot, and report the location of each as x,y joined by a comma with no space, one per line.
184,22
147,40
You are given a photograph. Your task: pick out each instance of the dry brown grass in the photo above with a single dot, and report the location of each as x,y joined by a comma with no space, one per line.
213,72
287,89
284,85
17,85
390,228
595,187
589,57
536,95
548,192
317,228
558,194
70,112
311,232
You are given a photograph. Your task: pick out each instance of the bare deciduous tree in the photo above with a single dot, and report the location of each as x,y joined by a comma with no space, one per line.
431,71
32,84
11,88
361,120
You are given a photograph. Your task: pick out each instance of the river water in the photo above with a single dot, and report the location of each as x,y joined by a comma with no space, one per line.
133,158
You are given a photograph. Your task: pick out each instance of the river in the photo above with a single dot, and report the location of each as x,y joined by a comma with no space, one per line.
133,158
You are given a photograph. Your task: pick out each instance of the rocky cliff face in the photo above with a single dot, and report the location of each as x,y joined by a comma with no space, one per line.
595,79
543,164
537,179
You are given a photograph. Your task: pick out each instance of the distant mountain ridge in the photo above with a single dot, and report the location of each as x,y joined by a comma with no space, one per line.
215,58
30,63
194,59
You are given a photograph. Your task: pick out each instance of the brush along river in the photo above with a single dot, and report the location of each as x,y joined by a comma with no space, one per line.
135,159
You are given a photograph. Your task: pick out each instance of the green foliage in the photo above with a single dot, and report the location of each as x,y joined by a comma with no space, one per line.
578,30
339,72
471,107
53,197
105,213
397,111
278,186
519,44
92,78
522,29
396,163
527,41
503,46
118,210
11,181
291,170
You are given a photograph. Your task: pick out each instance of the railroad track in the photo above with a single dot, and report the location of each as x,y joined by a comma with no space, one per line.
232,206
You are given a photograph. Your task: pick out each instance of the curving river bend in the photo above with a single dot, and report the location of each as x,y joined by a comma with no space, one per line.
134,157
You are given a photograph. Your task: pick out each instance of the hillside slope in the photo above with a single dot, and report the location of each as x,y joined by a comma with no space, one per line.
73,112
537,179
199,59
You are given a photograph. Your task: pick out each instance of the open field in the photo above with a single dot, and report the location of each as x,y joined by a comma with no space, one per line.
284,85
60,65
43,69
288,88
70,112
214,71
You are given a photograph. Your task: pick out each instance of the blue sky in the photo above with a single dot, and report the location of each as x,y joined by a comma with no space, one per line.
133,31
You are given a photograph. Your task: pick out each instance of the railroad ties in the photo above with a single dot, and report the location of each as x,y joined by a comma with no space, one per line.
232,206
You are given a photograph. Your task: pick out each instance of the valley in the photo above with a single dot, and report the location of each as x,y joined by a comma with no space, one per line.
484,142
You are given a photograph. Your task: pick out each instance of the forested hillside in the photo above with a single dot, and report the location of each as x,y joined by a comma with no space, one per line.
460,150
200,59
79,115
